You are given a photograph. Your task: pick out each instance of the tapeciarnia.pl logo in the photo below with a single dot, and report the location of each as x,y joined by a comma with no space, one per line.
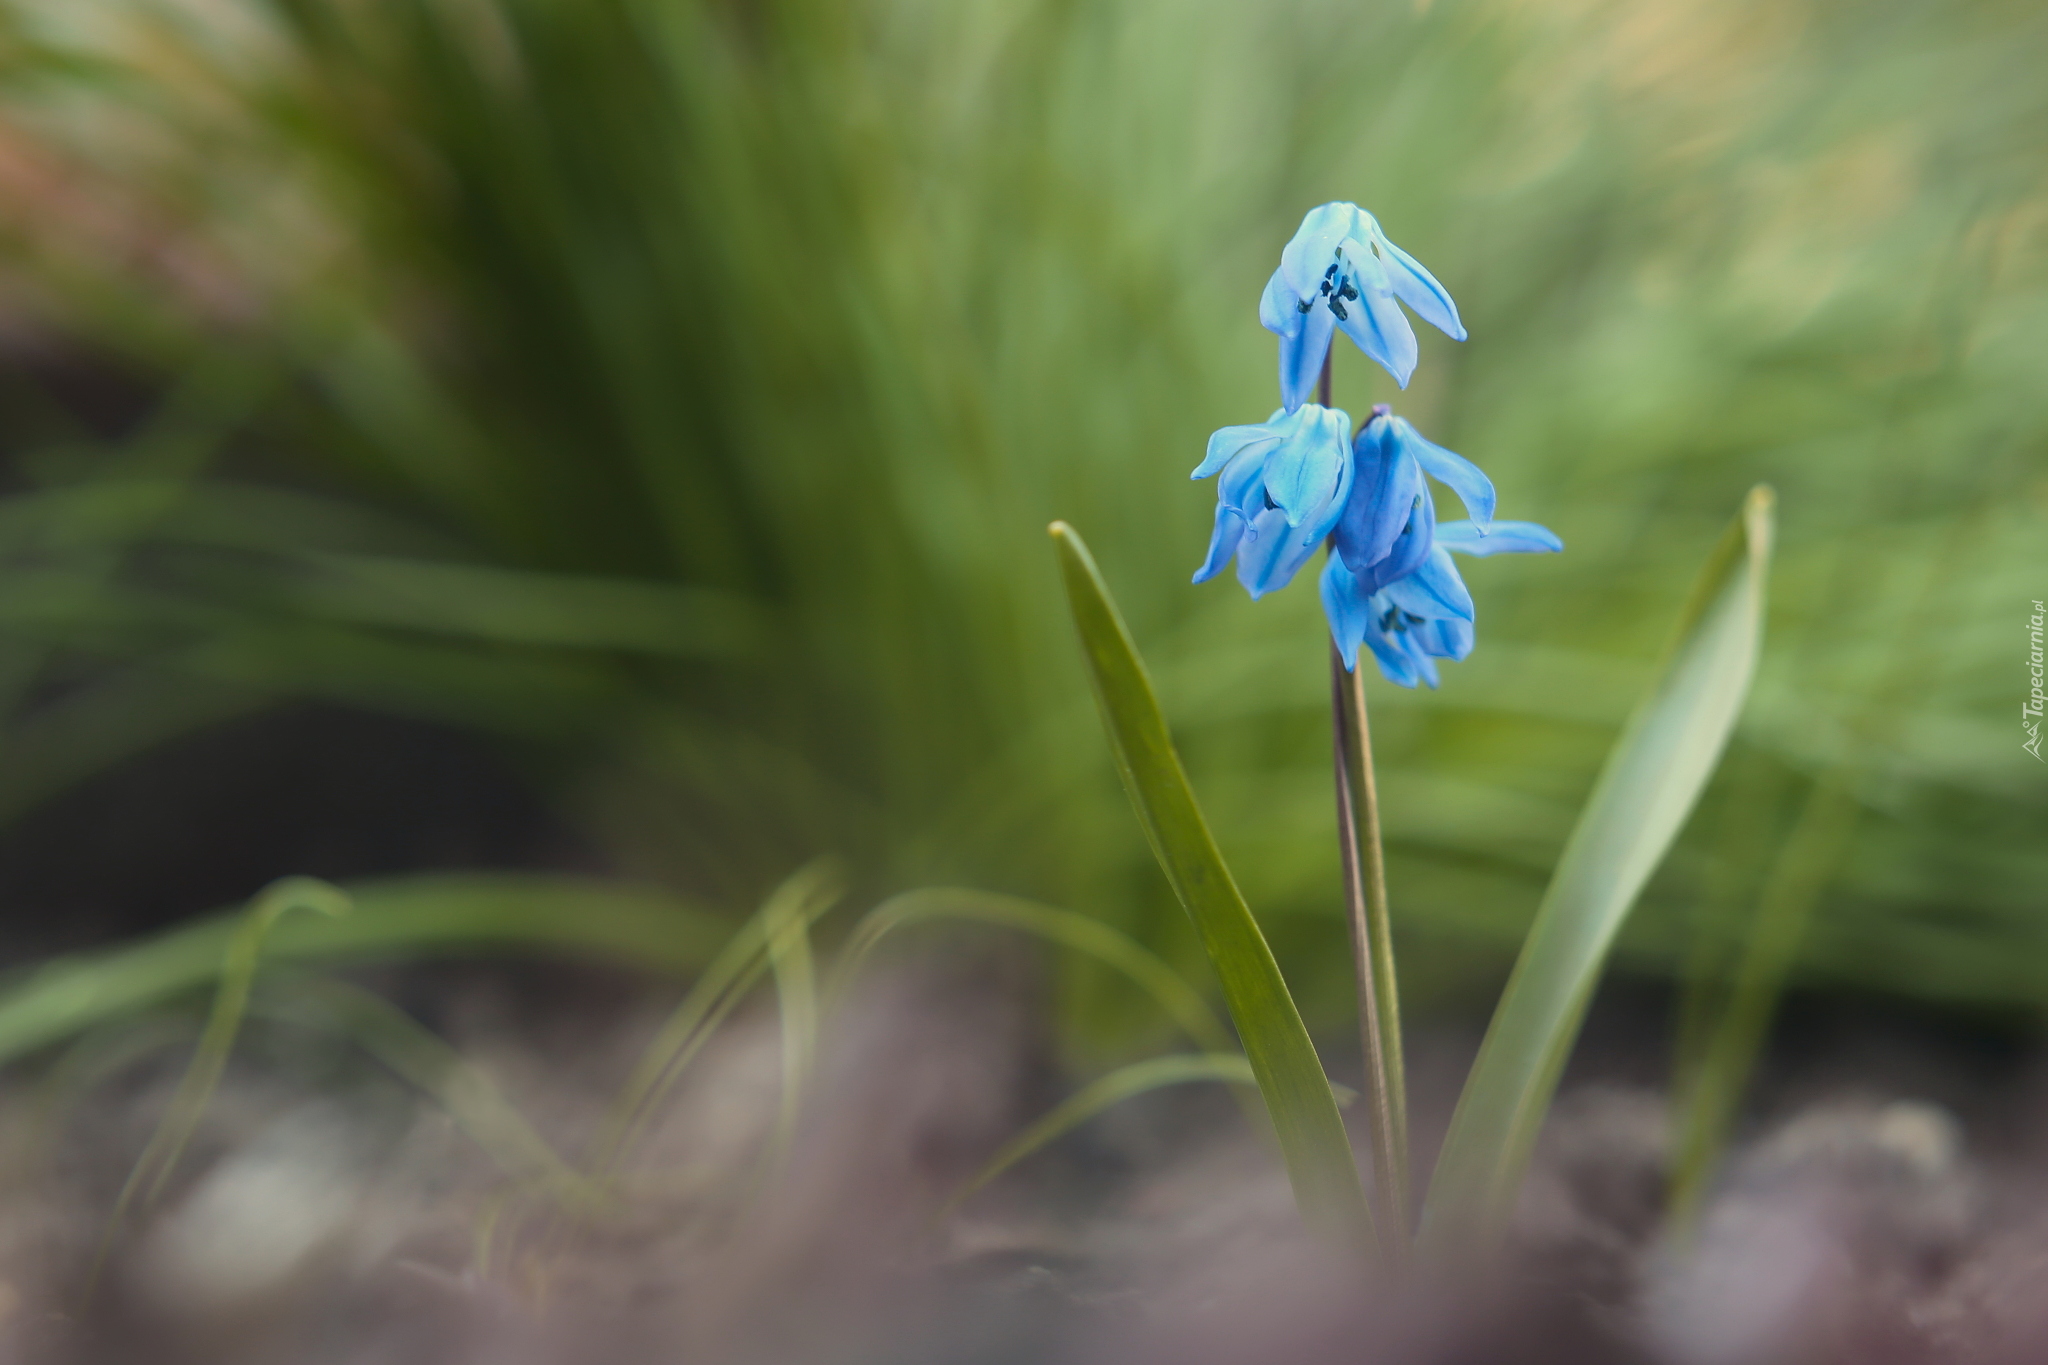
2030,710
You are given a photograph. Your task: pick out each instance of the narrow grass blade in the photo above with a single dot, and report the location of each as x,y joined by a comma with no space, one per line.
787,918
1653,776
717,990
1799,874
523,607
230,1002
1283,1060
1118,1086
1180,1002
408,917
470,1098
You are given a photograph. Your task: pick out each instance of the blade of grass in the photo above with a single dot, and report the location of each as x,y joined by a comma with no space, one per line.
461,1088
1653,776
1283,1060
787,918
717,990
1085,1103
407,917
1798,876
230,1002
210,1058
1181,1002
572,611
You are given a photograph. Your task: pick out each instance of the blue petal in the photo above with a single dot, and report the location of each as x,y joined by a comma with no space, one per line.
1349,613
1301,356
1410,548
1386,483
1397,665
1227,442
1280,307
1307,256
1446,639
1376,322
1243,485
1433,590
1417,288
1303,472
1501,538
1466,479
1272,552
1424,665
1222,542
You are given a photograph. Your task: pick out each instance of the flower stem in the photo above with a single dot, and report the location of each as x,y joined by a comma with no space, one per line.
1372,951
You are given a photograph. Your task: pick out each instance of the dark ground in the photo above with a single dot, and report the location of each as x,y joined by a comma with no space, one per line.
1885,1202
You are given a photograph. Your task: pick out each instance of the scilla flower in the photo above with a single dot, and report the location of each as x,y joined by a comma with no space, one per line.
1412,621
1389,522
1341,271
1285,482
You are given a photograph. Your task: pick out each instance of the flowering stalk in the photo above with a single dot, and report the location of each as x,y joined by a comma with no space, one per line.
1372,953
1372,943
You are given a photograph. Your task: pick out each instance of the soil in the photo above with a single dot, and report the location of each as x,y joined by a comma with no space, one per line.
1886,1205
1884,1201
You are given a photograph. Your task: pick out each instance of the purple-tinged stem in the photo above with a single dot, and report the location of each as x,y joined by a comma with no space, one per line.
1372,953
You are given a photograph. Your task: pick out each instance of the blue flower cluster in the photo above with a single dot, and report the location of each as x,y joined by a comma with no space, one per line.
1300,479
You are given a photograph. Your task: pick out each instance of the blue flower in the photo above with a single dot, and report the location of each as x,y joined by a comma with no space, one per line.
1412,621
1285,482
1389,522
1341,271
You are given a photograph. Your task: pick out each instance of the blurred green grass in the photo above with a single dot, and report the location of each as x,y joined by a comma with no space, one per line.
676,392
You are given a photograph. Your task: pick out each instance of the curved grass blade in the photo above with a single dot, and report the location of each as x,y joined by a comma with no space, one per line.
1653,776
1283,1060
787,918
1082,933
1118,1086
720,987
210,1058
230,1003
417,1055
407,917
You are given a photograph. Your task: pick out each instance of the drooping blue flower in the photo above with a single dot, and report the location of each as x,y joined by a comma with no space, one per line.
1412,621
1285,482
1389,522
1341,271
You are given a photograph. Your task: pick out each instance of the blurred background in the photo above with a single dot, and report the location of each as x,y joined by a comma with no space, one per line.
618,435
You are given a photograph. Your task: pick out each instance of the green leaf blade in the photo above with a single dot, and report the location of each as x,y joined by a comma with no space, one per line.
1122,1084
1283,1059
1653,777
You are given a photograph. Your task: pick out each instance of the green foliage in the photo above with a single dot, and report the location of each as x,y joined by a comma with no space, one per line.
1083,934
1650,784
1126,1082
1283,1060
402,919
718,989
674,390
